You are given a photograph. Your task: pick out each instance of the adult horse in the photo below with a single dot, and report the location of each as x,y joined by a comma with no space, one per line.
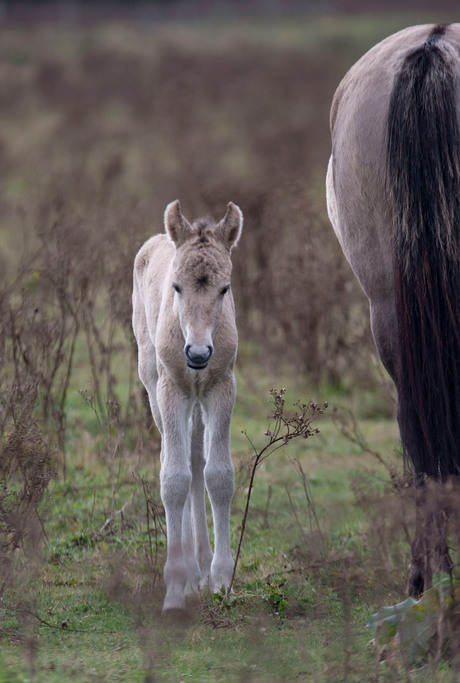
184,323
393,187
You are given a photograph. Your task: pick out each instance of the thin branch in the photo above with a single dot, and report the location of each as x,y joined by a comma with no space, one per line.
284,430
110,519
354,435
63,626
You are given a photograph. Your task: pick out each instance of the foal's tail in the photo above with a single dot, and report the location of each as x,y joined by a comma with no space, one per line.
423,177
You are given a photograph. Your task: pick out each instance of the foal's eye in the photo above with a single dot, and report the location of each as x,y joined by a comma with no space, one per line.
224,290
177,288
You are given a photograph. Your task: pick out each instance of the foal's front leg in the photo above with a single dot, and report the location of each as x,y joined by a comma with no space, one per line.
175,479
203,553
219,478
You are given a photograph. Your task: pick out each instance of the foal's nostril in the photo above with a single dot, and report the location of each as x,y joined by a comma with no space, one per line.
198,356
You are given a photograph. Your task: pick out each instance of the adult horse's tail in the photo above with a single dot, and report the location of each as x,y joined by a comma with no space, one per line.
423,180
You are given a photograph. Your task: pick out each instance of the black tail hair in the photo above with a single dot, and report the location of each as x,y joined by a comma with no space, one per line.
423,180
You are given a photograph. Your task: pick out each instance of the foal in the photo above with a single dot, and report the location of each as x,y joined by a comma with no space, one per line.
184,324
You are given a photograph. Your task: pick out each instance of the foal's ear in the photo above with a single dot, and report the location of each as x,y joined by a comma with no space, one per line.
176,226
230,227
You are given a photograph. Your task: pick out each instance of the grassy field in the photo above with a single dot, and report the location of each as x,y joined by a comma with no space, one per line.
101,128
303,592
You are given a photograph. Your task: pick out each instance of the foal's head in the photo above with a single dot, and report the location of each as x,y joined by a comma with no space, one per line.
201,276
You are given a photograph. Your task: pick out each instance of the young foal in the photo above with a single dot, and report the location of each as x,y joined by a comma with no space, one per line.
184,323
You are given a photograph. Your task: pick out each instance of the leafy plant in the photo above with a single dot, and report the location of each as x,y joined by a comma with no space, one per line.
276,596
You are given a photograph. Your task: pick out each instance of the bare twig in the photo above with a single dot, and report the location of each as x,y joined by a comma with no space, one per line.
153,513
347,425
294,512
110,519
267,504
283,429
306,488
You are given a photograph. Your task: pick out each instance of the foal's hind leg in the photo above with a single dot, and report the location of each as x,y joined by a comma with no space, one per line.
148,373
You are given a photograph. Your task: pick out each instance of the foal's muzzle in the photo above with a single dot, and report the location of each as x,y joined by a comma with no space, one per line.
197,357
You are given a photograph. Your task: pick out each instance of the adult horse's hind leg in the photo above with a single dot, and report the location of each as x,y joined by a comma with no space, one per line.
430,550
430,553
429,547
385,332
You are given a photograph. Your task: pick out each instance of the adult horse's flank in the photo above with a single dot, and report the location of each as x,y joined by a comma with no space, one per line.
393,189
184,323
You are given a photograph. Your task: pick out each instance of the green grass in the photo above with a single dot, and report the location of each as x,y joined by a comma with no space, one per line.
97,612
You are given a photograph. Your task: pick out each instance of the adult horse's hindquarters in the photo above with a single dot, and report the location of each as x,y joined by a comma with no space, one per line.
393,187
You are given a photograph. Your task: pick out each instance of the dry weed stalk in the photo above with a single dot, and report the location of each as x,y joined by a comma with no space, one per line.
284,429
154,514
347,425
25,471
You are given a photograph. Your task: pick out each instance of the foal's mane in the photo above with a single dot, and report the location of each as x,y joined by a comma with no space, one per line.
201,224
203,256
204,229
204,233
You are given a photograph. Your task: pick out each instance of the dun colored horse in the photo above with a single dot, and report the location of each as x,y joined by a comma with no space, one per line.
393,188
184,323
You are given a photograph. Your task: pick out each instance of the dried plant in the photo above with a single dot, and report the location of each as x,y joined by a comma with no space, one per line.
283,429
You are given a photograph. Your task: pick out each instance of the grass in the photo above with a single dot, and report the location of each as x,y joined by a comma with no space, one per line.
97,606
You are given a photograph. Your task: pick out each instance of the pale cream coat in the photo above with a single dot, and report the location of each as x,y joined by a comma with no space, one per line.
184,324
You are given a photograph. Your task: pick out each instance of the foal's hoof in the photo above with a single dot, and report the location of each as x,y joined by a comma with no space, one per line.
174,614
178,617
173,604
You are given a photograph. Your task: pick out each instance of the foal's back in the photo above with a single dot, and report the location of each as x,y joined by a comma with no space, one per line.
150,272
